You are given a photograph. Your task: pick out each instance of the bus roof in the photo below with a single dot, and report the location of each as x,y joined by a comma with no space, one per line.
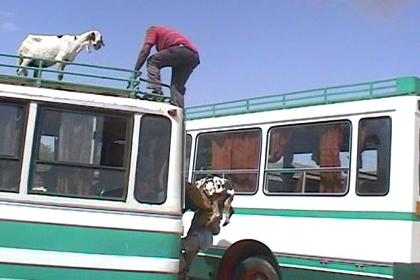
345,93
85,78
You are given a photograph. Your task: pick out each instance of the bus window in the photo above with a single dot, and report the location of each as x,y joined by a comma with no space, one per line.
12,119
373,156
153,160
231,154
188,142
308,159
81,154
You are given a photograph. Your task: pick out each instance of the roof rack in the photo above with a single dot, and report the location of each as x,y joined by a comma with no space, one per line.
85,78
345,93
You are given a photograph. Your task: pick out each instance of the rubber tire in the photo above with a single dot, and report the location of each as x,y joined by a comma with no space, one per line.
257,264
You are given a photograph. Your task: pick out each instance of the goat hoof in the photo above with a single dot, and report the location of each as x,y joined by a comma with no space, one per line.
22,73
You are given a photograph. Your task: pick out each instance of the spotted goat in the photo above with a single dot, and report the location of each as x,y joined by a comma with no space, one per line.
212,195
63,48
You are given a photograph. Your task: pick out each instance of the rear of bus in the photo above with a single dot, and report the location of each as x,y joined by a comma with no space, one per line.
90,186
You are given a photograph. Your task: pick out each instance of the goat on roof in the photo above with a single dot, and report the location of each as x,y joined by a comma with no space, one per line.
64,48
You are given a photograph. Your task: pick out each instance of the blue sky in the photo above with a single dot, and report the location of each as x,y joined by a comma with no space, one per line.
247,48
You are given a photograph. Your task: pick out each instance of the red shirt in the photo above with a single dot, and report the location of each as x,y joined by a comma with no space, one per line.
164,38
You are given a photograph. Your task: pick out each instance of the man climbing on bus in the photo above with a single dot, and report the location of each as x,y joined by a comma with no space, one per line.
211,200
173,50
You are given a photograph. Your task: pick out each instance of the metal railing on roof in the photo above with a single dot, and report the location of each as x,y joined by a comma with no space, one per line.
328,95
82,78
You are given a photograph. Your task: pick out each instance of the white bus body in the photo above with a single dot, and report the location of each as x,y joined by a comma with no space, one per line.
343,206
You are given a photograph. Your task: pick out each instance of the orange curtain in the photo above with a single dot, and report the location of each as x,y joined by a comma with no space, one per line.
330,146
246,152
237,151
221,153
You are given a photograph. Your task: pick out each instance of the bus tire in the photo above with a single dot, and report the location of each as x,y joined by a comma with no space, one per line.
256,268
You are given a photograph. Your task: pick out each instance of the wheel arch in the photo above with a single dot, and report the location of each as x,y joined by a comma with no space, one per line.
241,250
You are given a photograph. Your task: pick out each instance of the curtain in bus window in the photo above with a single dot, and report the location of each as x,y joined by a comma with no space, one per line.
11,126
232,151
76,144
222,151
330,146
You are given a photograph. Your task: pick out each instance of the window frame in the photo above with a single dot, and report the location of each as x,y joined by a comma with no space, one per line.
188,140
81,110
388,164
138,159
24,104
311,194
257,170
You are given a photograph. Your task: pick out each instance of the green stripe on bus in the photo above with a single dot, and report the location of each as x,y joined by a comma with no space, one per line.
356,215
336,265
10,271
77,239
214,255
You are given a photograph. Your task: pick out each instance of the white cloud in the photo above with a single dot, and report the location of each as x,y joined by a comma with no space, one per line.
379,9
382,10
7,23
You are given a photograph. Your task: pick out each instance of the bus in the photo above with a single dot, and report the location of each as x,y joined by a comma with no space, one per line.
90,176
326,182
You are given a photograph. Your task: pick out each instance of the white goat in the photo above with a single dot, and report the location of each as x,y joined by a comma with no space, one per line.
60,47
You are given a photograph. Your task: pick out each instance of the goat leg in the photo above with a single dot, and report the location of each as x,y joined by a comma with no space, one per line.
22,69
61,69
227,209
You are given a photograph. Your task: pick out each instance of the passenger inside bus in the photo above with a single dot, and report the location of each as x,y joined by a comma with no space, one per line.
308,159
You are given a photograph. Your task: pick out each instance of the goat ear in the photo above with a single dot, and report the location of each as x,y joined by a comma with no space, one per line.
92,36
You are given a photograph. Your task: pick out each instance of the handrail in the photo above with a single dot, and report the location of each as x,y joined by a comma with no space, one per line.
70,63
318,96
87,78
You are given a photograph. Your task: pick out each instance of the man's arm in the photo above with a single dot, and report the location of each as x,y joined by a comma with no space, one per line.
144,53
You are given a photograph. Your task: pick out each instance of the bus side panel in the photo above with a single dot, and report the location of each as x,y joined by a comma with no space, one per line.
13,271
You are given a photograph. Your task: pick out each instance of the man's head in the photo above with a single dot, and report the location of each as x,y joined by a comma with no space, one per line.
151,28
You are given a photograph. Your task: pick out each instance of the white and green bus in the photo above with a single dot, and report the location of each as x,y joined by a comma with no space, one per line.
326,180
90,177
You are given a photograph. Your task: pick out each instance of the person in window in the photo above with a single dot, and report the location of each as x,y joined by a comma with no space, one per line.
173,50
281,151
